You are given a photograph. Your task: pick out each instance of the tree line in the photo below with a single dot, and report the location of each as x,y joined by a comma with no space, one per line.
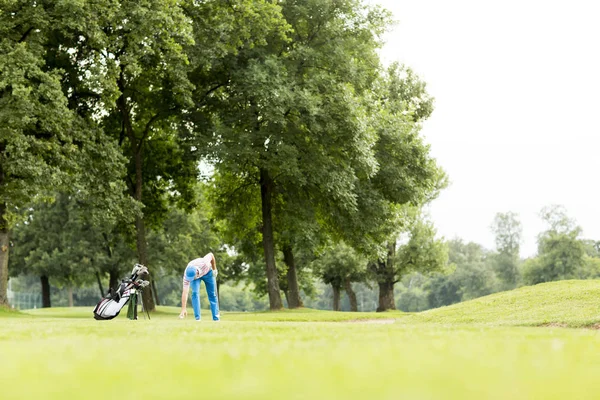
267,132
338,278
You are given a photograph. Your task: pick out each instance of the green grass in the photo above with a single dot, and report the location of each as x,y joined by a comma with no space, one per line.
300,315
6,312
567,303
467,351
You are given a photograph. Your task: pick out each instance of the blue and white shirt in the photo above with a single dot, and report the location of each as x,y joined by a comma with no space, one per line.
202,265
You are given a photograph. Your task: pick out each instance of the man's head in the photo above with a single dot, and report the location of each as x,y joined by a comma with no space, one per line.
190,273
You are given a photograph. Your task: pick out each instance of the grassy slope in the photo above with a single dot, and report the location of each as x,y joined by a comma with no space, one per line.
567,303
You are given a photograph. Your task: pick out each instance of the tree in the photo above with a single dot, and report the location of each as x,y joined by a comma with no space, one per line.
149,67
339,266
472,275
243,26
508,231
58,241
290,118
592,248
44,144
561,251
406,176
422,252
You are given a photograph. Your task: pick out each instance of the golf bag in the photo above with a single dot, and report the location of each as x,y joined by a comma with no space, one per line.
111,304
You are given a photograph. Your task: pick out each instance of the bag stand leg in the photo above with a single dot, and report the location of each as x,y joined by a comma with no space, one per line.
132,309
142,302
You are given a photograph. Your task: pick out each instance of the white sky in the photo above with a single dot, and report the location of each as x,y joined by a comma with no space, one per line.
515,126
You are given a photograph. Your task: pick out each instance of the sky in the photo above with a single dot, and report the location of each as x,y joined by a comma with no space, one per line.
517,104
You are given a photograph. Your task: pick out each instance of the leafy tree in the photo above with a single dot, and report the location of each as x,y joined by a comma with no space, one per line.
592,247
291,121
422,252
508,231
561,251
44,143
339,266
411,299
473,275
443,291
406,176
58,242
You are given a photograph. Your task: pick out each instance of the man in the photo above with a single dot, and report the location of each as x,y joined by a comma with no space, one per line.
200,269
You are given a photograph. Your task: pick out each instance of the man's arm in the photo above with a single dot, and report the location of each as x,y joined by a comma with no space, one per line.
184,297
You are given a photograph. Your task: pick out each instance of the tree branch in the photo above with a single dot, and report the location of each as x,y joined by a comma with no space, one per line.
25,35
205,95
150,122
131,185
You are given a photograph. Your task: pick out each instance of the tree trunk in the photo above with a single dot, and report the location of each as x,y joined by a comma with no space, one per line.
386,275
142,249
45,291
351,295
386,296
70,294
100,284
155,291
140,227
336,298
287,297
4,250
136,147
266,193
293,292
113,279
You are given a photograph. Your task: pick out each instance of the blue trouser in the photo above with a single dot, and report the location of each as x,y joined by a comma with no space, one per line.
210,284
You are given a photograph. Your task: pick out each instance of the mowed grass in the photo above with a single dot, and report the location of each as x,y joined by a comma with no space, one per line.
300,315
307,354
572,304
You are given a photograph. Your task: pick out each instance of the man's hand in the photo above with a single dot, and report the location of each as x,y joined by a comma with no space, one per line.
215,273
183,314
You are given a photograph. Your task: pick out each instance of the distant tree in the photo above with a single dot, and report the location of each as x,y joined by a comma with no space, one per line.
561,251
411,294
422,252
473,275
508,231
339,266
592,247
59,242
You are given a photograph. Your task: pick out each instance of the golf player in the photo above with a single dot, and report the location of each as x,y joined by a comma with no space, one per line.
200,269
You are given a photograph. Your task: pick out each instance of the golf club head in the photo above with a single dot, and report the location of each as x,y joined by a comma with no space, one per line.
142,283
139,269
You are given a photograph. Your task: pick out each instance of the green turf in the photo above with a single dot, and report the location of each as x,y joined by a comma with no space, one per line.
300,315
466,351
566,303
6,312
